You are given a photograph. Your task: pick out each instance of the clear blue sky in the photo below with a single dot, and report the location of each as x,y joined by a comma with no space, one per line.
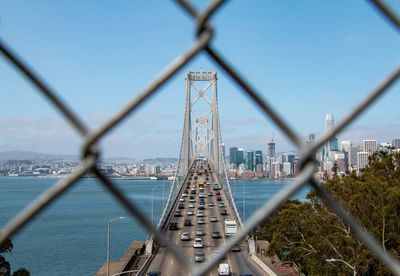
307,58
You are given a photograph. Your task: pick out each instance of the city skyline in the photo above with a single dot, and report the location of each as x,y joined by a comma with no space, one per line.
334,65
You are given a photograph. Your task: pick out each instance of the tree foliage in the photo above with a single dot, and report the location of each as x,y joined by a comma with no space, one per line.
308,233
5,267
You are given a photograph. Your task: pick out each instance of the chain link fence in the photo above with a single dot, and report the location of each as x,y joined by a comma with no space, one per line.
204,34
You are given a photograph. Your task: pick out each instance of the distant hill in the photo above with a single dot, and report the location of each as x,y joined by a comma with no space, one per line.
32,155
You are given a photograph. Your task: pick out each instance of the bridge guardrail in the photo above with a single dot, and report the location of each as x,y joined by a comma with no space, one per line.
202,44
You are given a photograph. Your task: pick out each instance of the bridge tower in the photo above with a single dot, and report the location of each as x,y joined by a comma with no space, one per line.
201,136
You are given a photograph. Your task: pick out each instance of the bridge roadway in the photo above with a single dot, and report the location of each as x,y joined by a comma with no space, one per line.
239,262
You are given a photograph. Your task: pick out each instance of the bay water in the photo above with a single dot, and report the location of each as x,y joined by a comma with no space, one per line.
70,236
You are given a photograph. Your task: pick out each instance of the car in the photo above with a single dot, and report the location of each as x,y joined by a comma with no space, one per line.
177,213
201,207
210,194
201,195
216,235
191,197
199,256
190,212
193,192
191,200
181,206
153,273
223,269
198,243
246,274
213,219
219,198
188,222
218,193
173,225
185,194
199,232
235,248
191,205
211,205
224,212
181,199
185,236
200,213
221,204
200,221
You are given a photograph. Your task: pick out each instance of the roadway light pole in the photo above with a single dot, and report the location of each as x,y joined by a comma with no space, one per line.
109,242
346,263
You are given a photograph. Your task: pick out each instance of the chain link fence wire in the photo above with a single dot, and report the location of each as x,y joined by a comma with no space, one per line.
203,43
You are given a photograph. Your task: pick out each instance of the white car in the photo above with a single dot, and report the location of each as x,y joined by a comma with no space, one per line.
201,195
191,205
189,213
200,213
181,199
200,221
198,243
191,200
185,236
213,219
223,269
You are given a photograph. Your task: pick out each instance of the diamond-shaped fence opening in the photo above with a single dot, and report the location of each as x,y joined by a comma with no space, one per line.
204,34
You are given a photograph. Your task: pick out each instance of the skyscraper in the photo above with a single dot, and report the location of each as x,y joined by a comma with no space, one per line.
259,157
250,160
332,144
271,148
233,155
240,156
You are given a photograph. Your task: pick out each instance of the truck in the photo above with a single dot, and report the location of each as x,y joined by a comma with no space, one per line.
230,227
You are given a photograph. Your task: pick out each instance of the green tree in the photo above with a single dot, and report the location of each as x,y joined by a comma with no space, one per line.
308,233
5,268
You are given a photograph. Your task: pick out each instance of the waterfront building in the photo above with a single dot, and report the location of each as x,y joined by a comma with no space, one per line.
249,160
233,156
258,157
287,168
240,156
296,167
276,169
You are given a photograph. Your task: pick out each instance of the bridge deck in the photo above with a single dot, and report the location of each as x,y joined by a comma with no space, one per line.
239,262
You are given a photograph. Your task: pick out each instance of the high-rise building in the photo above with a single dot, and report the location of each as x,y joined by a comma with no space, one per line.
249,160
396,143
287,168
369,146
353,157
271,149
346,145
233,156
240,156
332,144
311,139
362,159
258,157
